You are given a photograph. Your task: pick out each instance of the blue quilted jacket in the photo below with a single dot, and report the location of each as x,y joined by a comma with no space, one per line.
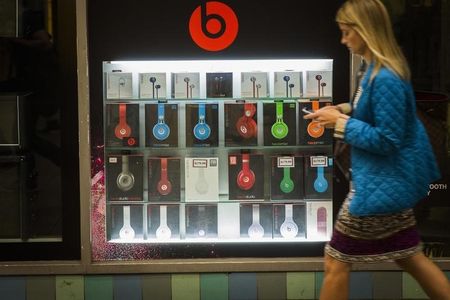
392,159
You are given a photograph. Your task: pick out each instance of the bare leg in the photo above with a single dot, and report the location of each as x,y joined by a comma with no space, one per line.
336,279
428,275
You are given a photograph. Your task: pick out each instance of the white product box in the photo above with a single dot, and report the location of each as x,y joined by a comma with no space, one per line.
319,84
228,220
119,85
288,84
186,85
152,85
254,85
319,220
201,179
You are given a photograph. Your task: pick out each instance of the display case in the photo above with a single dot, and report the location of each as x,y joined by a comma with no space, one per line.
216,152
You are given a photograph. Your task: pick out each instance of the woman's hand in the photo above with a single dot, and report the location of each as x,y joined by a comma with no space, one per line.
326,116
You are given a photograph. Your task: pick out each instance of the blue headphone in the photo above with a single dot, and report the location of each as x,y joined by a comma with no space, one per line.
161,130
320,183
201,129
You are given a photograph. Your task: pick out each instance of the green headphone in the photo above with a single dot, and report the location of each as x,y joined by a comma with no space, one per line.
279,128
286,184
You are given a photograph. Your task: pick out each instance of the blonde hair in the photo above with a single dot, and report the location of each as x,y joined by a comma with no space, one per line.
370,19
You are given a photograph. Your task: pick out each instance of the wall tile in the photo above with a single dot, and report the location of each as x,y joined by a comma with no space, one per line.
127,287
242,286
319,281
185,287
271,286
157,287
41,288
214,286
387,285
300,285
98,287
69,287
360,285
411,289
13,288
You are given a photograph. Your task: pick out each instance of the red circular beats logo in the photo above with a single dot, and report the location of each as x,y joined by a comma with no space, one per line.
213,26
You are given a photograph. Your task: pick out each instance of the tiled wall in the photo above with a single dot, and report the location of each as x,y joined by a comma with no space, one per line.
205,286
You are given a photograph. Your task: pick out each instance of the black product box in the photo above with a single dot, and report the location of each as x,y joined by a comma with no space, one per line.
256,220
280,123
219,85
163,222
161,125
286,182
122,125
202,125
125,222
124,175
318,177
164,179
201,221
241,124
310,132
289,221
246,176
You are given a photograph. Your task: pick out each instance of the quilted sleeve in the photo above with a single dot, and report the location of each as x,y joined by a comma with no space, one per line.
386,130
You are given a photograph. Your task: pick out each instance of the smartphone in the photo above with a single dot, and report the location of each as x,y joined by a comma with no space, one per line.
304,110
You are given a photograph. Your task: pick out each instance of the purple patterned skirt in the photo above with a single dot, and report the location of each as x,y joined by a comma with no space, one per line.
372,239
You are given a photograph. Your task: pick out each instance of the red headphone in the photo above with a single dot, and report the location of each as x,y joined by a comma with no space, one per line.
246,177
164,185
122,129
246,125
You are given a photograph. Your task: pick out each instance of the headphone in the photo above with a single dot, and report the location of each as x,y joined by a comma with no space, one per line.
286,79
122,128
201,186
246,125
202,130
289,229
161,130
125,179
163,232
126,232
322,221
245,178
279,128
320,183
153,80
255,230
314,128
186,79
286,184
164,186
253,80
318,78
122,82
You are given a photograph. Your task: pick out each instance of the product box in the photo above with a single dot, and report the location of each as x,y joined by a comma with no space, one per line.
246,176
289,221
286,180
119,85
201,221
318,177
320,220
319,84
241,124
288,84
201,179
256,221
124,177
152,85
124,223
186,85
219,85
311,133
164,179
163,222
161,125
254,85
228,220
202,125
280,123
122,125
